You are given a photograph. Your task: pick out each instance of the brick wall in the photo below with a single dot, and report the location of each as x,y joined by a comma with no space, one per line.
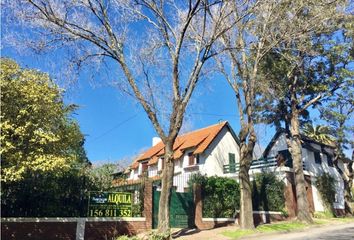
38,230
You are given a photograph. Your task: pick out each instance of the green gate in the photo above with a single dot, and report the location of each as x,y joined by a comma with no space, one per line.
181,209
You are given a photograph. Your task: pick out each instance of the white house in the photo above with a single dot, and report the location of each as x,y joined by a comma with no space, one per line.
214,150
317,159
205,150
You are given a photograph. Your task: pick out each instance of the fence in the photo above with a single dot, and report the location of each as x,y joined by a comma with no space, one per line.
108,228
258,164
79,228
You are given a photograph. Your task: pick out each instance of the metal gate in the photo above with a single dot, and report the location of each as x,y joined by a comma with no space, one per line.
181,209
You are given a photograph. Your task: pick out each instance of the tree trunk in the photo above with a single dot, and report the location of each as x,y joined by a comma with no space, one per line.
246,208
166,186
294,144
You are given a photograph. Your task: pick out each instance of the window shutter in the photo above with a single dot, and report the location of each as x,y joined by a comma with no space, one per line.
232,162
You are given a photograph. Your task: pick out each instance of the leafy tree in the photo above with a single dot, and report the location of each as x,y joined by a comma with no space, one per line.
302,71
338,112
42,156
102,176
273,29
318,133
38,134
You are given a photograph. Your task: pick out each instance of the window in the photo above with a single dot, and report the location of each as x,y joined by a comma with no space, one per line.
285,156
144,167
317,157
232,162
191,159
329,160
162,163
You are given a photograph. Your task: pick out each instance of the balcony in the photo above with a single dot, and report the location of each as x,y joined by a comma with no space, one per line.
257,164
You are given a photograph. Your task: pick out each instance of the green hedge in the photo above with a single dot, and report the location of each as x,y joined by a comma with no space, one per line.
268,192
221,195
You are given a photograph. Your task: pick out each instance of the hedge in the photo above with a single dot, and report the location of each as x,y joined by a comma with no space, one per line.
221,195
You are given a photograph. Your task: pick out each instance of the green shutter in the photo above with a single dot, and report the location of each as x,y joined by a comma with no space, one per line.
232,162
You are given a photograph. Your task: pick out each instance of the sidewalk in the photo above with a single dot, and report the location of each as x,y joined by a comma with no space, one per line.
331,230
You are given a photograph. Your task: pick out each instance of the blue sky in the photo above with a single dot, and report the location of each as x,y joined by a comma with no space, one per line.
116,127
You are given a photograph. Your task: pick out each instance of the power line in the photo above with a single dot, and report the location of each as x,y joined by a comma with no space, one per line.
114,127
214,114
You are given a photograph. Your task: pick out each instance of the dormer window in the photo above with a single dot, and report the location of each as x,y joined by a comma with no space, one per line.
144,167
193,159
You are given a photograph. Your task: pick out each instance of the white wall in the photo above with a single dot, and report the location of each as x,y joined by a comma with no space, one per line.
314,170
152,170
217,154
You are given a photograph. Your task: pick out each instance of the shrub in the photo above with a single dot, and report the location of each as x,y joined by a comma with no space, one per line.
125,237
221,196
326,185
268,192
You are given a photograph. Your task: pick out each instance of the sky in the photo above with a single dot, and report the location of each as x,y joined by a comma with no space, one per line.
115,126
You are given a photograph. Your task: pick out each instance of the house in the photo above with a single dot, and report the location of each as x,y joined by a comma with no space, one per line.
205,150
214,151
317,159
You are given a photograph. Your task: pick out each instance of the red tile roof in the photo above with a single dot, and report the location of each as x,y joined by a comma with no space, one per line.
199,139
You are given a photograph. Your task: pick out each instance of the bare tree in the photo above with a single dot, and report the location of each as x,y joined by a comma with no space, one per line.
271,25
160,48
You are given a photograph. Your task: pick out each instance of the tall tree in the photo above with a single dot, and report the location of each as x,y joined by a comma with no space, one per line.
272,25
42,154
158,47
37,133
338,112
304,70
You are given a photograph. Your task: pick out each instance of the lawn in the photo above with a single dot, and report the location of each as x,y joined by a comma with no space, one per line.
282,227
269,228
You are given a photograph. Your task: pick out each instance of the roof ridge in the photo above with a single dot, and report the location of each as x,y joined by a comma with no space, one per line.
199,129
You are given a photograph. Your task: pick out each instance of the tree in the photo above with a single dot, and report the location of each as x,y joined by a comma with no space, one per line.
102,176
338,113
42,155
272,25
159,47
38,134
318,133
304,70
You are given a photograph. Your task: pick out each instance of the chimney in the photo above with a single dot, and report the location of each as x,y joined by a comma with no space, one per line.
155,140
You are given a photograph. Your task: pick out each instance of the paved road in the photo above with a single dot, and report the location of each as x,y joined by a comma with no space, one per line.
333,232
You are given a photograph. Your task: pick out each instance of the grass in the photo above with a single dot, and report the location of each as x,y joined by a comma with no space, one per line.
282,227
268,228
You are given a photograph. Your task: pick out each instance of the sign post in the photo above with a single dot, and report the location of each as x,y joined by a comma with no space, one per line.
109,204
